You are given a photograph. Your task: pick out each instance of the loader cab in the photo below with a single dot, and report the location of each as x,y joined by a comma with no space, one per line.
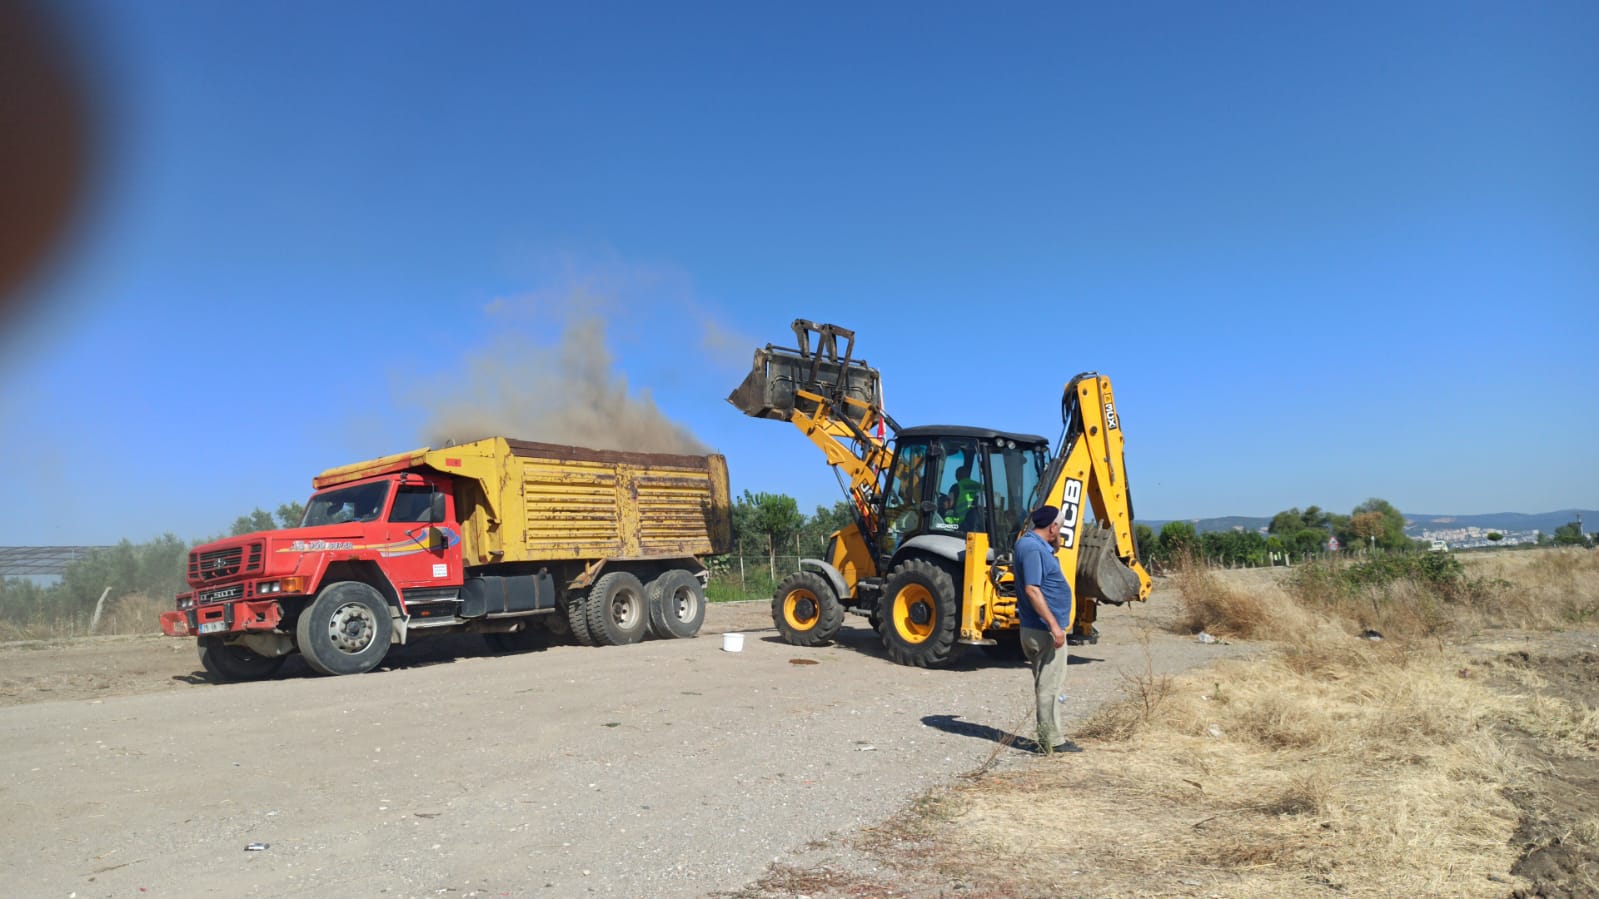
955,480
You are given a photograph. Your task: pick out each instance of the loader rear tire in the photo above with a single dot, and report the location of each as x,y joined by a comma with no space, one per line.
677,604
806,610
918,612
345,630
618,610
226,663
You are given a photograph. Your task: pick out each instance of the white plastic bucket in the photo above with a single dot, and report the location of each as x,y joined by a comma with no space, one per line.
732,642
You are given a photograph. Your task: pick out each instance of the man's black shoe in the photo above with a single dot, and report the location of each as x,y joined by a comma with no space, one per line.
1064,746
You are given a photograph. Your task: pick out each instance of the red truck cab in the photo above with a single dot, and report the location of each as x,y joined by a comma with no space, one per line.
395,534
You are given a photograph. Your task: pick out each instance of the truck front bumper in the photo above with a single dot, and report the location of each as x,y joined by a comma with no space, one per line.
222,618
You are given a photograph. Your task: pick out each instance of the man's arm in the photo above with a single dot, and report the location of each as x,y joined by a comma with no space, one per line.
1036,597
1032,565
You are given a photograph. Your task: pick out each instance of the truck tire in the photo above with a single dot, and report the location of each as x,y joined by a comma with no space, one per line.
919,614
806,610
677,604
226,663
618,610
345,630
577,617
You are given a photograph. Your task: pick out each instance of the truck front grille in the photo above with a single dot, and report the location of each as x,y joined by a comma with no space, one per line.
217,564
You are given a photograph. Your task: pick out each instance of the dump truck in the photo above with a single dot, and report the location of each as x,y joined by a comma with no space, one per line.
938,508
508,538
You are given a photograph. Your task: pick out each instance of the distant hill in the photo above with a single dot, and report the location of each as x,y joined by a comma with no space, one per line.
1505,521
1415,524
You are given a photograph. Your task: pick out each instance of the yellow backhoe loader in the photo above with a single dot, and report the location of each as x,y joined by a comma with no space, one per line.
938,507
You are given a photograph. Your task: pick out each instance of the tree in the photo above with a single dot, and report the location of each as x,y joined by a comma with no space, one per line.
1315,517
1291,521
1366,527
1571,534
1178,540
1392,534
817,528
1495,536
775,516
1144,536
290,514
257,520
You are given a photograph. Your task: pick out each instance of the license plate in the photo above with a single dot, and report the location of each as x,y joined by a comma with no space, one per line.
212,627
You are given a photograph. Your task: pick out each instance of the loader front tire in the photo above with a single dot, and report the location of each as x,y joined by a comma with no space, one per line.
806,610
345,630
226,663
918,612
618,610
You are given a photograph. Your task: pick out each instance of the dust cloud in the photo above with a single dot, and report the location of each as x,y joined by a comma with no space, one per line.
566,394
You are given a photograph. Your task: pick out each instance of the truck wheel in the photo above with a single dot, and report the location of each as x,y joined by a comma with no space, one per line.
806,610
345,630
677,604
577,617
618,611
226,663
919,614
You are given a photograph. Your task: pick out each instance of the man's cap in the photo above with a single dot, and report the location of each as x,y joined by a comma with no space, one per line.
1044,516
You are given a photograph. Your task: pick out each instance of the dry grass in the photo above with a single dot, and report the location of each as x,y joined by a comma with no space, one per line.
1336,764
132,614
1542,589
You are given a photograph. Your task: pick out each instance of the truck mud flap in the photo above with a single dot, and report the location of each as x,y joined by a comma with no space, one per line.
1101,574
493,595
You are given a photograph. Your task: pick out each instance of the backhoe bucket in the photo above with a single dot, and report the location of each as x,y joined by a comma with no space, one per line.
1101,574
772,389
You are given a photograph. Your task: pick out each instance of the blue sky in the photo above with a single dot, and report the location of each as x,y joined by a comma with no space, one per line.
1324,254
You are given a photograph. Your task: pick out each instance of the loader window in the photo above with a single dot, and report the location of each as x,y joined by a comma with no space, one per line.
962,496
903,506
1016,473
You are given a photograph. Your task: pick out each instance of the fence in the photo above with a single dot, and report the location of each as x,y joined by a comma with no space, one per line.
748,576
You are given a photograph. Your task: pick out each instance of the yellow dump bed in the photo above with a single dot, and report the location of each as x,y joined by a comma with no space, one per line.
541,502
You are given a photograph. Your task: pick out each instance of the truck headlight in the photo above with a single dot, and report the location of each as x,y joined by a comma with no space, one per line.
283,585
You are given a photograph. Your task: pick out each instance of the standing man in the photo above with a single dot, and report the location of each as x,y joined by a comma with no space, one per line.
1044,605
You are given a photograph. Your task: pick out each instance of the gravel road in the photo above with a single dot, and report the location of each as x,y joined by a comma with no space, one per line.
669,768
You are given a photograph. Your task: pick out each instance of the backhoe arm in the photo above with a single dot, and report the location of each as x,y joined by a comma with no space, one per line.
1090,468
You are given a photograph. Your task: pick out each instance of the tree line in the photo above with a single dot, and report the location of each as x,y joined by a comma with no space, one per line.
154,569
768,526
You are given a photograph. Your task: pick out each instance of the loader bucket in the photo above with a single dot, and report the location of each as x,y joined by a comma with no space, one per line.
1101,574
778,375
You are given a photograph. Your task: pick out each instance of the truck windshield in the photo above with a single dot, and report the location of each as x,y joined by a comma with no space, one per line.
362,502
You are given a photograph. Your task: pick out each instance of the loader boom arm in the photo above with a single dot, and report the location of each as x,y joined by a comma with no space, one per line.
834,399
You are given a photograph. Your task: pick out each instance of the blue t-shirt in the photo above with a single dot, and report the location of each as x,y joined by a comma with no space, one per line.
1035,563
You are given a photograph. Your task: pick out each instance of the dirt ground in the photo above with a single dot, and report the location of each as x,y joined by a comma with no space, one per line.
669,768
1559,831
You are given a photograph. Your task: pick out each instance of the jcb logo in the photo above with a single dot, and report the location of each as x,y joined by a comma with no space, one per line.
1069,503
1110,416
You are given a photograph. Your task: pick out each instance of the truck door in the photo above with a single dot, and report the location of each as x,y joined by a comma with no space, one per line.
424,542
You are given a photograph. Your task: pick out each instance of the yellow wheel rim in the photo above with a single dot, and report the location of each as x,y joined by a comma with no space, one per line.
797,604
911,603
